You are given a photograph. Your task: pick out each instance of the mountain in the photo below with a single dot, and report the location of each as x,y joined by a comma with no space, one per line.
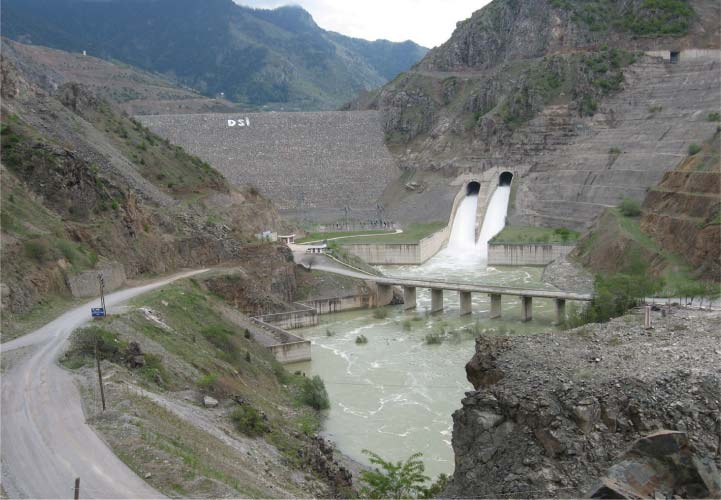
278,59
133,90
578,99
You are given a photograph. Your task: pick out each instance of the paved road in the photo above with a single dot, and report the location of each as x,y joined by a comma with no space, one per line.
46,443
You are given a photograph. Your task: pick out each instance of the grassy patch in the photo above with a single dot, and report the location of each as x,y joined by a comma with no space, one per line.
413,233
325,236
532,234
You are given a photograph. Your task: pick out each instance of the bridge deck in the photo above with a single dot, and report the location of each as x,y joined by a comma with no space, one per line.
468,287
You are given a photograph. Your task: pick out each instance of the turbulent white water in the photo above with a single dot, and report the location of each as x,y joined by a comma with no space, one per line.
463,232
495,219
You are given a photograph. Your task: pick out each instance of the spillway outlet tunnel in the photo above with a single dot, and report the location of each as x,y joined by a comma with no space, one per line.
505,179
473,188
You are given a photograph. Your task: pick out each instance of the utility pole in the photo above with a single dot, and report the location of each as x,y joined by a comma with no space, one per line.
77,488
100,374
101,281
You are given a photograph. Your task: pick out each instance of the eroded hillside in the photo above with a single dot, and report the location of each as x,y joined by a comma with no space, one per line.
84,185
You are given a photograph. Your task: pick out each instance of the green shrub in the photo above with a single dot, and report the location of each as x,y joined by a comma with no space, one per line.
249,421
407,325
433,338
693,149
109,346
314,394
394,480
222,338
714,117
630,208
614,151
361,339
207,382
153,369
38,250
380,313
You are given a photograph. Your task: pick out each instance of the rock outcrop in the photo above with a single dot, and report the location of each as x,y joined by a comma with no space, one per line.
551,414
561,94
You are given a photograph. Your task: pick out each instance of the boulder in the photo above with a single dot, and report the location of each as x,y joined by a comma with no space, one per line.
209,402
662,463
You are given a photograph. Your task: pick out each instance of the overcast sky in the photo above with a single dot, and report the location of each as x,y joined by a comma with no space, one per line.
427,22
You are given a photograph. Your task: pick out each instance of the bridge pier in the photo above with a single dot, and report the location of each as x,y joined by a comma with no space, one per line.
385,295
560,311
495,305
409,297
466,308
527,308
436,300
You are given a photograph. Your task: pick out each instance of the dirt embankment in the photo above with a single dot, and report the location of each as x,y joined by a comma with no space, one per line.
552,413
678,226
683,213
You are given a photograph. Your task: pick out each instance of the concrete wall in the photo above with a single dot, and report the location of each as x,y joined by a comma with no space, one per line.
688,54
300,318
525,254
85,284
401,253
339,304
291,353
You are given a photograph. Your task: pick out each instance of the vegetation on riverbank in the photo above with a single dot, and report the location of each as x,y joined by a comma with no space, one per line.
172,349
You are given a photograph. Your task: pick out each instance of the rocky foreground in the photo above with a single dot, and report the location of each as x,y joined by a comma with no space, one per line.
552,413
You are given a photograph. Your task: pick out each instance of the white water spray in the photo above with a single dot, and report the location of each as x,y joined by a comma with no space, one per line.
463,232
495,219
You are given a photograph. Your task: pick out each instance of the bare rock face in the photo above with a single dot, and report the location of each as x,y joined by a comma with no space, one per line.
481,370
546,422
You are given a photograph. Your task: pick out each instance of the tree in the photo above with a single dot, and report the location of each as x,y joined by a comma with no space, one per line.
395,480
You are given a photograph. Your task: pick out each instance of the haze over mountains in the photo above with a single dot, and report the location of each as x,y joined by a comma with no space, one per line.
272,59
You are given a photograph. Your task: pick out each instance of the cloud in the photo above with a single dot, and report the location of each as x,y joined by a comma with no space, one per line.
427,22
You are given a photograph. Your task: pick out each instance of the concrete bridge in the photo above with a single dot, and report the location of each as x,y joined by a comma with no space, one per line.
386,283
437,287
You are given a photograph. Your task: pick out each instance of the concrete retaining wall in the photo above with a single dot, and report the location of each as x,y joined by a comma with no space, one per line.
525,254
688,54
300,318
401,253
85,284
339,304
291,353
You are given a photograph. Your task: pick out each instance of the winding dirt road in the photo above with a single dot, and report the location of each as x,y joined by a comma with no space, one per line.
45,442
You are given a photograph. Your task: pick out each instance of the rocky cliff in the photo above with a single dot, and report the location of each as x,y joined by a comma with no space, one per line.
562,95
83,183
551,414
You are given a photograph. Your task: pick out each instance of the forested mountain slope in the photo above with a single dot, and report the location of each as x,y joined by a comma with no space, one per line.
276,58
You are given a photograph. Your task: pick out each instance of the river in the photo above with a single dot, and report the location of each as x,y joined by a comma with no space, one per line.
395,395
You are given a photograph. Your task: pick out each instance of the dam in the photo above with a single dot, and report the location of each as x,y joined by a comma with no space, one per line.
315,166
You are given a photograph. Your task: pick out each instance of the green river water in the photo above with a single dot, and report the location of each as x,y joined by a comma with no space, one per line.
396,394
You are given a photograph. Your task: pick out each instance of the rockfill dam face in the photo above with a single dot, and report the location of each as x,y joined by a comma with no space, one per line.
321,166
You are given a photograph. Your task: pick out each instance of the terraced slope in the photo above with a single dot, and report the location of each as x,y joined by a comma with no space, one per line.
624,149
